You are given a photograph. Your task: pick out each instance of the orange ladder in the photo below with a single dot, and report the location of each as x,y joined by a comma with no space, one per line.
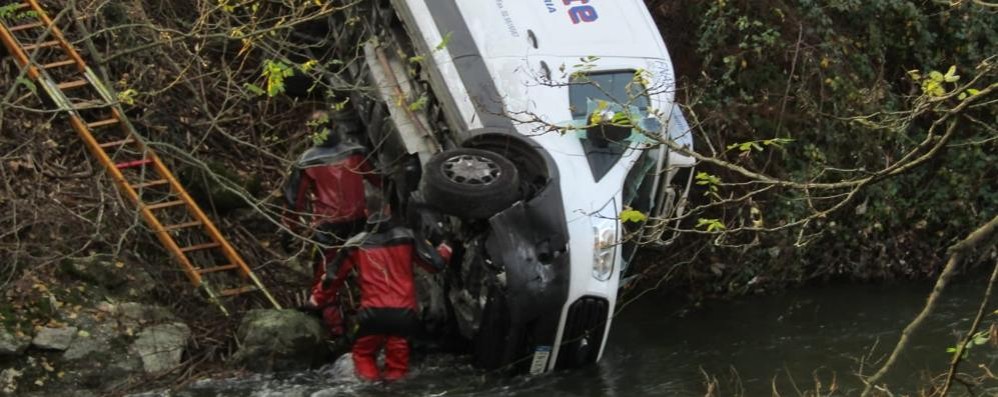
194,241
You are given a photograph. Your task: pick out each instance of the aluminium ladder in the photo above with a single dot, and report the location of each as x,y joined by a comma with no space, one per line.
53,63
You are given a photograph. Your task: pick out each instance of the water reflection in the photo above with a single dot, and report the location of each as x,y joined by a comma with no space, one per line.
797,340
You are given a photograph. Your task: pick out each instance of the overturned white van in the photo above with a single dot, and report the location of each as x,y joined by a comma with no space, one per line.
499,121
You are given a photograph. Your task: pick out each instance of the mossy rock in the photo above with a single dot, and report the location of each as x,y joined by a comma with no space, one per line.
95,269
281,340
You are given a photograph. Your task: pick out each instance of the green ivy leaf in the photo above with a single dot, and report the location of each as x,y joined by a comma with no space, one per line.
127,96
254,89
711,225
951,76
419,104
309,65
631,215
446,40
275,72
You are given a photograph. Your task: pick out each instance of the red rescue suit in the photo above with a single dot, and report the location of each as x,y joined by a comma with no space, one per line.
387,311
328,186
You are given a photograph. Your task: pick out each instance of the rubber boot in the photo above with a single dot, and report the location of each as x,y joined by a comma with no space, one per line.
365,359
396,358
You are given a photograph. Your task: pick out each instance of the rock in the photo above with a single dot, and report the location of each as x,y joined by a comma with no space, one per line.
140,283
96,269
12,345
8,380
161,346
134,314
83,347
280,339
54,338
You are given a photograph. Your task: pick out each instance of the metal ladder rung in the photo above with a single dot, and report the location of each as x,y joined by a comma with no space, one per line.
133,164
26,26
58,64
237,291
217,269
200,247
61,53
144,185
182,226
102,123
73,84
122,142
46,44
167,204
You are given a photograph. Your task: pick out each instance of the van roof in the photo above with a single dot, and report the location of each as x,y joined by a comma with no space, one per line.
603,28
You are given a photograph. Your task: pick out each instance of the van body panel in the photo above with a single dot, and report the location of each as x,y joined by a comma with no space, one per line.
506,65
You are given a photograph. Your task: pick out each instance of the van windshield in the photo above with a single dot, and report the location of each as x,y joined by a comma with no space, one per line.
617,87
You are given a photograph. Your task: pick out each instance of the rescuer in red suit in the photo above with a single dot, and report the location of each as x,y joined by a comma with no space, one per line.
327,189
383,257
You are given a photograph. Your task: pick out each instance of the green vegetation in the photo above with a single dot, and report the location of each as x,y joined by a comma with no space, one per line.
835,91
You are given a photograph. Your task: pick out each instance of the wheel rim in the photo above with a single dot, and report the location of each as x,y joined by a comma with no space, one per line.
472,170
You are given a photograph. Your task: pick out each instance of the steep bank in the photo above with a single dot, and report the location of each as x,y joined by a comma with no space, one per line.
798,71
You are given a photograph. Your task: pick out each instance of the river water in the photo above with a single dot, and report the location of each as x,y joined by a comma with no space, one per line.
795,341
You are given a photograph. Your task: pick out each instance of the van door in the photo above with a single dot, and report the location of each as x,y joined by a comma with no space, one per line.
673,179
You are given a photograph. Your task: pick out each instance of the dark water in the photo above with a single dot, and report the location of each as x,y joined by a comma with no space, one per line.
797,341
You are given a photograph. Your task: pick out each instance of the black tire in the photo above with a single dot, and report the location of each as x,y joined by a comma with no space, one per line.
470,183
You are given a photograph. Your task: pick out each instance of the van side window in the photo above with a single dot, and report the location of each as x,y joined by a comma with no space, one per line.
617,86
637,186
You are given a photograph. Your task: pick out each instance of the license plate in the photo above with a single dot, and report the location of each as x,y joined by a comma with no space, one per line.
540,362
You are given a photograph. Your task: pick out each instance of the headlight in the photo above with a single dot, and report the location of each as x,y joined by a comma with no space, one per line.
604,250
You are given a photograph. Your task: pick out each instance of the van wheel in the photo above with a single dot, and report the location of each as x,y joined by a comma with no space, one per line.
470,183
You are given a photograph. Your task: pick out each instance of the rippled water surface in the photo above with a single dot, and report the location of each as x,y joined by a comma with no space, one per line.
795,340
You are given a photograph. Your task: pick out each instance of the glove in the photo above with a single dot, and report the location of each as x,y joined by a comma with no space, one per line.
310,307
445,252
